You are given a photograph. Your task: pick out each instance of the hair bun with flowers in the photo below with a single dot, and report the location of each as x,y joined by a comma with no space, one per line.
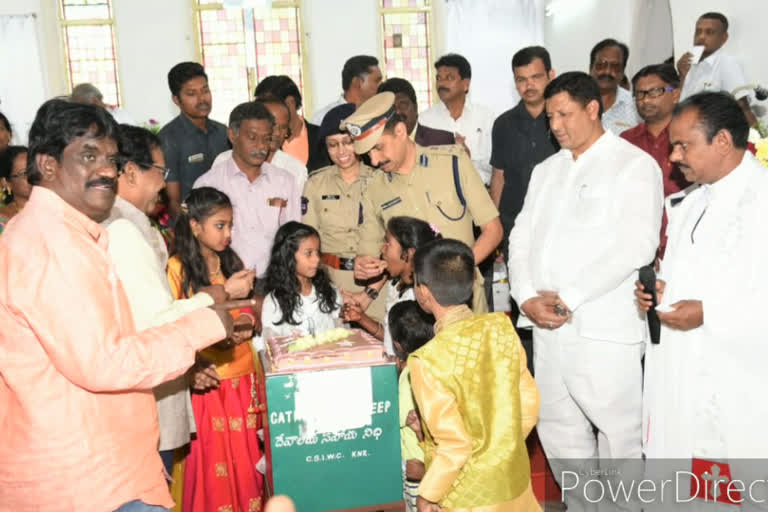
435,230
184,208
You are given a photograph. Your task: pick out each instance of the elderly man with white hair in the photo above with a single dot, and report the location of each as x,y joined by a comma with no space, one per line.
90,94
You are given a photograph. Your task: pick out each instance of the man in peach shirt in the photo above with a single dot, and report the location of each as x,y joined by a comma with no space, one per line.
79,422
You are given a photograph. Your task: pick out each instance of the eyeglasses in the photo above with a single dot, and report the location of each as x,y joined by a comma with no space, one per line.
652,93
17,175
166,170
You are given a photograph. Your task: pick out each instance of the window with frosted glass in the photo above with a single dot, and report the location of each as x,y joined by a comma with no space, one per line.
242,46
89,41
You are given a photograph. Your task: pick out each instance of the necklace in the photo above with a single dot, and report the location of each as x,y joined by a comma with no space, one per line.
218,268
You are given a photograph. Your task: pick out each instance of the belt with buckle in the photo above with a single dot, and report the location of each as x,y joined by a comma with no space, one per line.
334,261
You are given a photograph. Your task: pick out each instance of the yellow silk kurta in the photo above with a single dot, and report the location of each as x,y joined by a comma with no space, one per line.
478,403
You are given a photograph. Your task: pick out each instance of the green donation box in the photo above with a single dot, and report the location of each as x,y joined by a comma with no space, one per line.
348,458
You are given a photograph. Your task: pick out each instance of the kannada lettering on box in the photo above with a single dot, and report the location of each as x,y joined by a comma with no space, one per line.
283,440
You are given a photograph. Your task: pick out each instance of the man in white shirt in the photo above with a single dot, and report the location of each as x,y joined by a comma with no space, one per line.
607,62
590,219
715,70
140,256
360,79
705,380
469,122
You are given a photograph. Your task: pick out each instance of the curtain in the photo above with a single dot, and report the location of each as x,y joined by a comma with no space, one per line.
652,41
22,84
488,33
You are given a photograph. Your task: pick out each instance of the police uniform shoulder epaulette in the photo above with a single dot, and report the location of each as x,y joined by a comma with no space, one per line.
317,173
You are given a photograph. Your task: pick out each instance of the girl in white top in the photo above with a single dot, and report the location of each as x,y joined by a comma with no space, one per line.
300,297
403,236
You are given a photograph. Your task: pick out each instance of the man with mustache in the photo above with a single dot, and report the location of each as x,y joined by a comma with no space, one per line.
79,425
469,122
264,197
191,141
437,184
591,218
280,132
607,62
704,401
657,91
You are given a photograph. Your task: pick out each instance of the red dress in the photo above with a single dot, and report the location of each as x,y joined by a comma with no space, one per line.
220,473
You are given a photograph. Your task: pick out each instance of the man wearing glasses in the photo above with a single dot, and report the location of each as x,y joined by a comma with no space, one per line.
607,62
139,255
657,91
264,197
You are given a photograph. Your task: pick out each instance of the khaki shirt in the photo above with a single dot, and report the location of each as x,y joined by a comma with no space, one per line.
333,207
423,193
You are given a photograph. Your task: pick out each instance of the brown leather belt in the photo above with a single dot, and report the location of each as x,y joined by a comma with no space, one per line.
334,261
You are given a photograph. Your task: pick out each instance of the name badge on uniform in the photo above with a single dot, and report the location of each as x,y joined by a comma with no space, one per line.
423,160
360,215
391,203
331,197
197,158
304,205
278,202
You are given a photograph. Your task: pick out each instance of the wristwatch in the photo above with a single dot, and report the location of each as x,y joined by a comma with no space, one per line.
372,293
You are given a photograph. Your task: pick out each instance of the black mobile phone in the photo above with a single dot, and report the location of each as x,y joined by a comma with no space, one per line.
647,277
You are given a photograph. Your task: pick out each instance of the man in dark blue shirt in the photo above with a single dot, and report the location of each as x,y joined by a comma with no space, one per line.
520,136
191,141
520,140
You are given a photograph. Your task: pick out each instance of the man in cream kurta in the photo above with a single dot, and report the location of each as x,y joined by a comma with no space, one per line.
591,218
704,401
140,256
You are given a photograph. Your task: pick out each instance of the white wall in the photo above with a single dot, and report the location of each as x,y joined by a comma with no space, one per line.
334,31
148,46
576,26
499,28
51,51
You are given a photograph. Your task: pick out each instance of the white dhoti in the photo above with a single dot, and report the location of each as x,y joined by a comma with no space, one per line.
587,385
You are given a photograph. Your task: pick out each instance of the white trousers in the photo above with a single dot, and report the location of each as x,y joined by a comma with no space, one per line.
588,386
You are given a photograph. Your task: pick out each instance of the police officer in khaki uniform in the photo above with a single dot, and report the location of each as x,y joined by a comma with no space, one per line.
437,184
331,203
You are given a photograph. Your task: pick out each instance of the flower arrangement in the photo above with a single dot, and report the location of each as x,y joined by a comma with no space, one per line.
152,125
758,142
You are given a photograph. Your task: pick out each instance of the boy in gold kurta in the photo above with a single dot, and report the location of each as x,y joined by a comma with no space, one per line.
477,400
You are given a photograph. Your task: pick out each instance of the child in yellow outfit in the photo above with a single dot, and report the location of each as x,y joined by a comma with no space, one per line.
477,400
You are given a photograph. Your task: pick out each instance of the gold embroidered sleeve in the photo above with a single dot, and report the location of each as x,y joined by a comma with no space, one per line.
529,395
453,446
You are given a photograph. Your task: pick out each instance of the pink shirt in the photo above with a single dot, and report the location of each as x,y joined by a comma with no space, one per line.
78,420
260,207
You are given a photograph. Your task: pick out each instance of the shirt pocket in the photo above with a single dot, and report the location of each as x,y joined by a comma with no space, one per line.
337,215
444,202
590,206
